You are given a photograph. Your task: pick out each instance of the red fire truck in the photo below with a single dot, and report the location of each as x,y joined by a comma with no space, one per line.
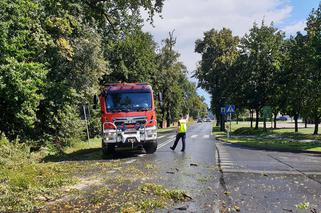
128,117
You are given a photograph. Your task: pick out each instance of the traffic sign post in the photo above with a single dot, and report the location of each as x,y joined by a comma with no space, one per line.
229,109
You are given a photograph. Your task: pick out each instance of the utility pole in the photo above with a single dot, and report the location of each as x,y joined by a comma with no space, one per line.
85,115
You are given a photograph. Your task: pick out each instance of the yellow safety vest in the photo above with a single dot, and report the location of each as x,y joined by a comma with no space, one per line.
182,126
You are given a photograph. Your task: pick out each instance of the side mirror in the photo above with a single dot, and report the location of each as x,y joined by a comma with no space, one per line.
95,100
160,98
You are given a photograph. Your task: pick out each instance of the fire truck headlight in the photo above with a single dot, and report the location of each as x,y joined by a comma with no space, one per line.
110,136
151,133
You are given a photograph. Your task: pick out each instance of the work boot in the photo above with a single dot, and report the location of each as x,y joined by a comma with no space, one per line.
172,148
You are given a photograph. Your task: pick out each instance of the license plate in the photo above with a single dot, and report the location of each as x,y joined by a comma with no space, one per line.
131,140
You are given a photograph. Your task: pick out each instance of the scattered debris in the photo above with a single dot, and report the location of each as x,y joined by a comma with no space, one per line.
236,208
264,174
186,196
227,193
182,208
303,205
170,172
287,210
193,164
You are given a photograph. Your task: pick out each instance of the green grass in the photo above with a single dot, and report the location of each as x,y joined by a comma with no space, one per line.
83,145
272,139
166,130
27,184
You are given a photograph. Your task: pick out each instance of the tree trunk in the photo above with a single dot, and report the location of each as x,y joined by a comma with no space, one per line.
316,126
274,120
296,129
257,118
305,123
251,116
162,121
218,116
222,126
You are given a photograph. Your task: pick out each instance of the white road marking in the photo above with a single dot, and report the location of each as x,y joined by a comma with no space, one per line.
165,143
194,136
142,155
206,136
159,137
171,136
130,161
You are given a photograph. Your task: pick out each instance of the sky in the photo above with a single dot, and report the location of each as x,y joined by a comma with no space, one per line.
191,18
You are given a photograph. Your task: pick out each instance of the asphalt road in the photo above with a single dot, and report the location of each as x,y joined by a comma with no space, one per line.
231,176
193,171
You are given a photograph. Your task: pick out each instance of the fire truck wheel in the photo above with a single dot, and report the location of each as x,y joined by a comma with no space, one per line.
108,149
150,147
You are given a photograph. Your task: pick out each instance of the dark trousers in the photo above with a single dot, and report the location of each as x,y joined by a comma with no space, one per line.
179,136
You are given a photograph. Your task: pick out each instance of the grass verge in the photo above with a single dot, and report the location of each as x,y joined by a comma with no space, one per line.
279,139
26,184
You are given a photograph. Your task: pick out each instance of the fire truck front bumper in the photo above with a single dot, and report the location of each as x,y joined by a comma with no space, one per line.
130,137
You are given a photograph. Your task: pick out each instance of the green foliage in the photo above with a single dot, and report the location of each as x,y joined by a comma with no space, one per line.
171,81
219,53
314,65
20,85
262,49
132,59
55,55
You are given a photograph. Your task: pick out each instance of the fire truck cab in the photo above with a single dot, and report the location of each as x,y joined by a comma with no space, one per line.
128,117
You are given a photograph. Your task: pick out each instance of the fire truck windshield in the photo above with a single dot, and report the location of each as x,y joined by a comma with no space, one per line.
128,101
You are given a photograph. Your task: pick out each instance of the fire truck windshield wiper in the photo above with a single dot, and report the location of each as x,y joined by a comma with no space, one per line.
142,109
125,110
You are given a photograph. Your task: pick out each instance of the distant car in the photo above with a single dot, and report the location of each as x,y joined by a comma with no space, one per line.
199,120
282,118
208,120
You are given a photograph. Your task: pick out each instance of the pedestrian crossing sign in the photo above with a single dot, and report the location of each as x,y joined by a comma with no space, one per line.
230,109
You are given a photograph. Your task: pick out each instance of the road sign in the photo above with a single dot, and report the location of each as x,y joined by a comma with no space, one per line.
223,111
230,109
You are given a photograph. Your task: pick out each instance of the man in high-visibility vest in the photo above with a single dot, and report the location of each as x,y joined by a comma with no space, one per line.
181,133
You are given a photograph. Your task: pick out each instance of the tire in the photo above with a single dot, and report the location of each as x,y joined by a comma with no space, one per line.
108,149
150,147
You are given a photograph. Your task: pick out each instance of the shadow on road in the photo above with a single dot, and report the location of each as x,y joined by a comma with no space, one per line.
92,154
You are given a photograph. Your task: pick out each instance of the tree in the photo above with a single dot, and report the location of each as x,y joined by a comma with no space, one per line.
219,53
132,59
169,81
20,84
314,66
295,76
58,47
22,76
262,51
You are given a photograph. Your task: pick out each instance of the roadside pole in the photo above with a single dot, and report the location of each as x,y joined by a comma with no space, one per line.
230,124
229,109
85,115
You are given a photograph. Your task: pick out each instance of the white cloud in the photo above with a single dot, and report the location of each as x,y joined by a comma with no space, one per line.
294,28
191,18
